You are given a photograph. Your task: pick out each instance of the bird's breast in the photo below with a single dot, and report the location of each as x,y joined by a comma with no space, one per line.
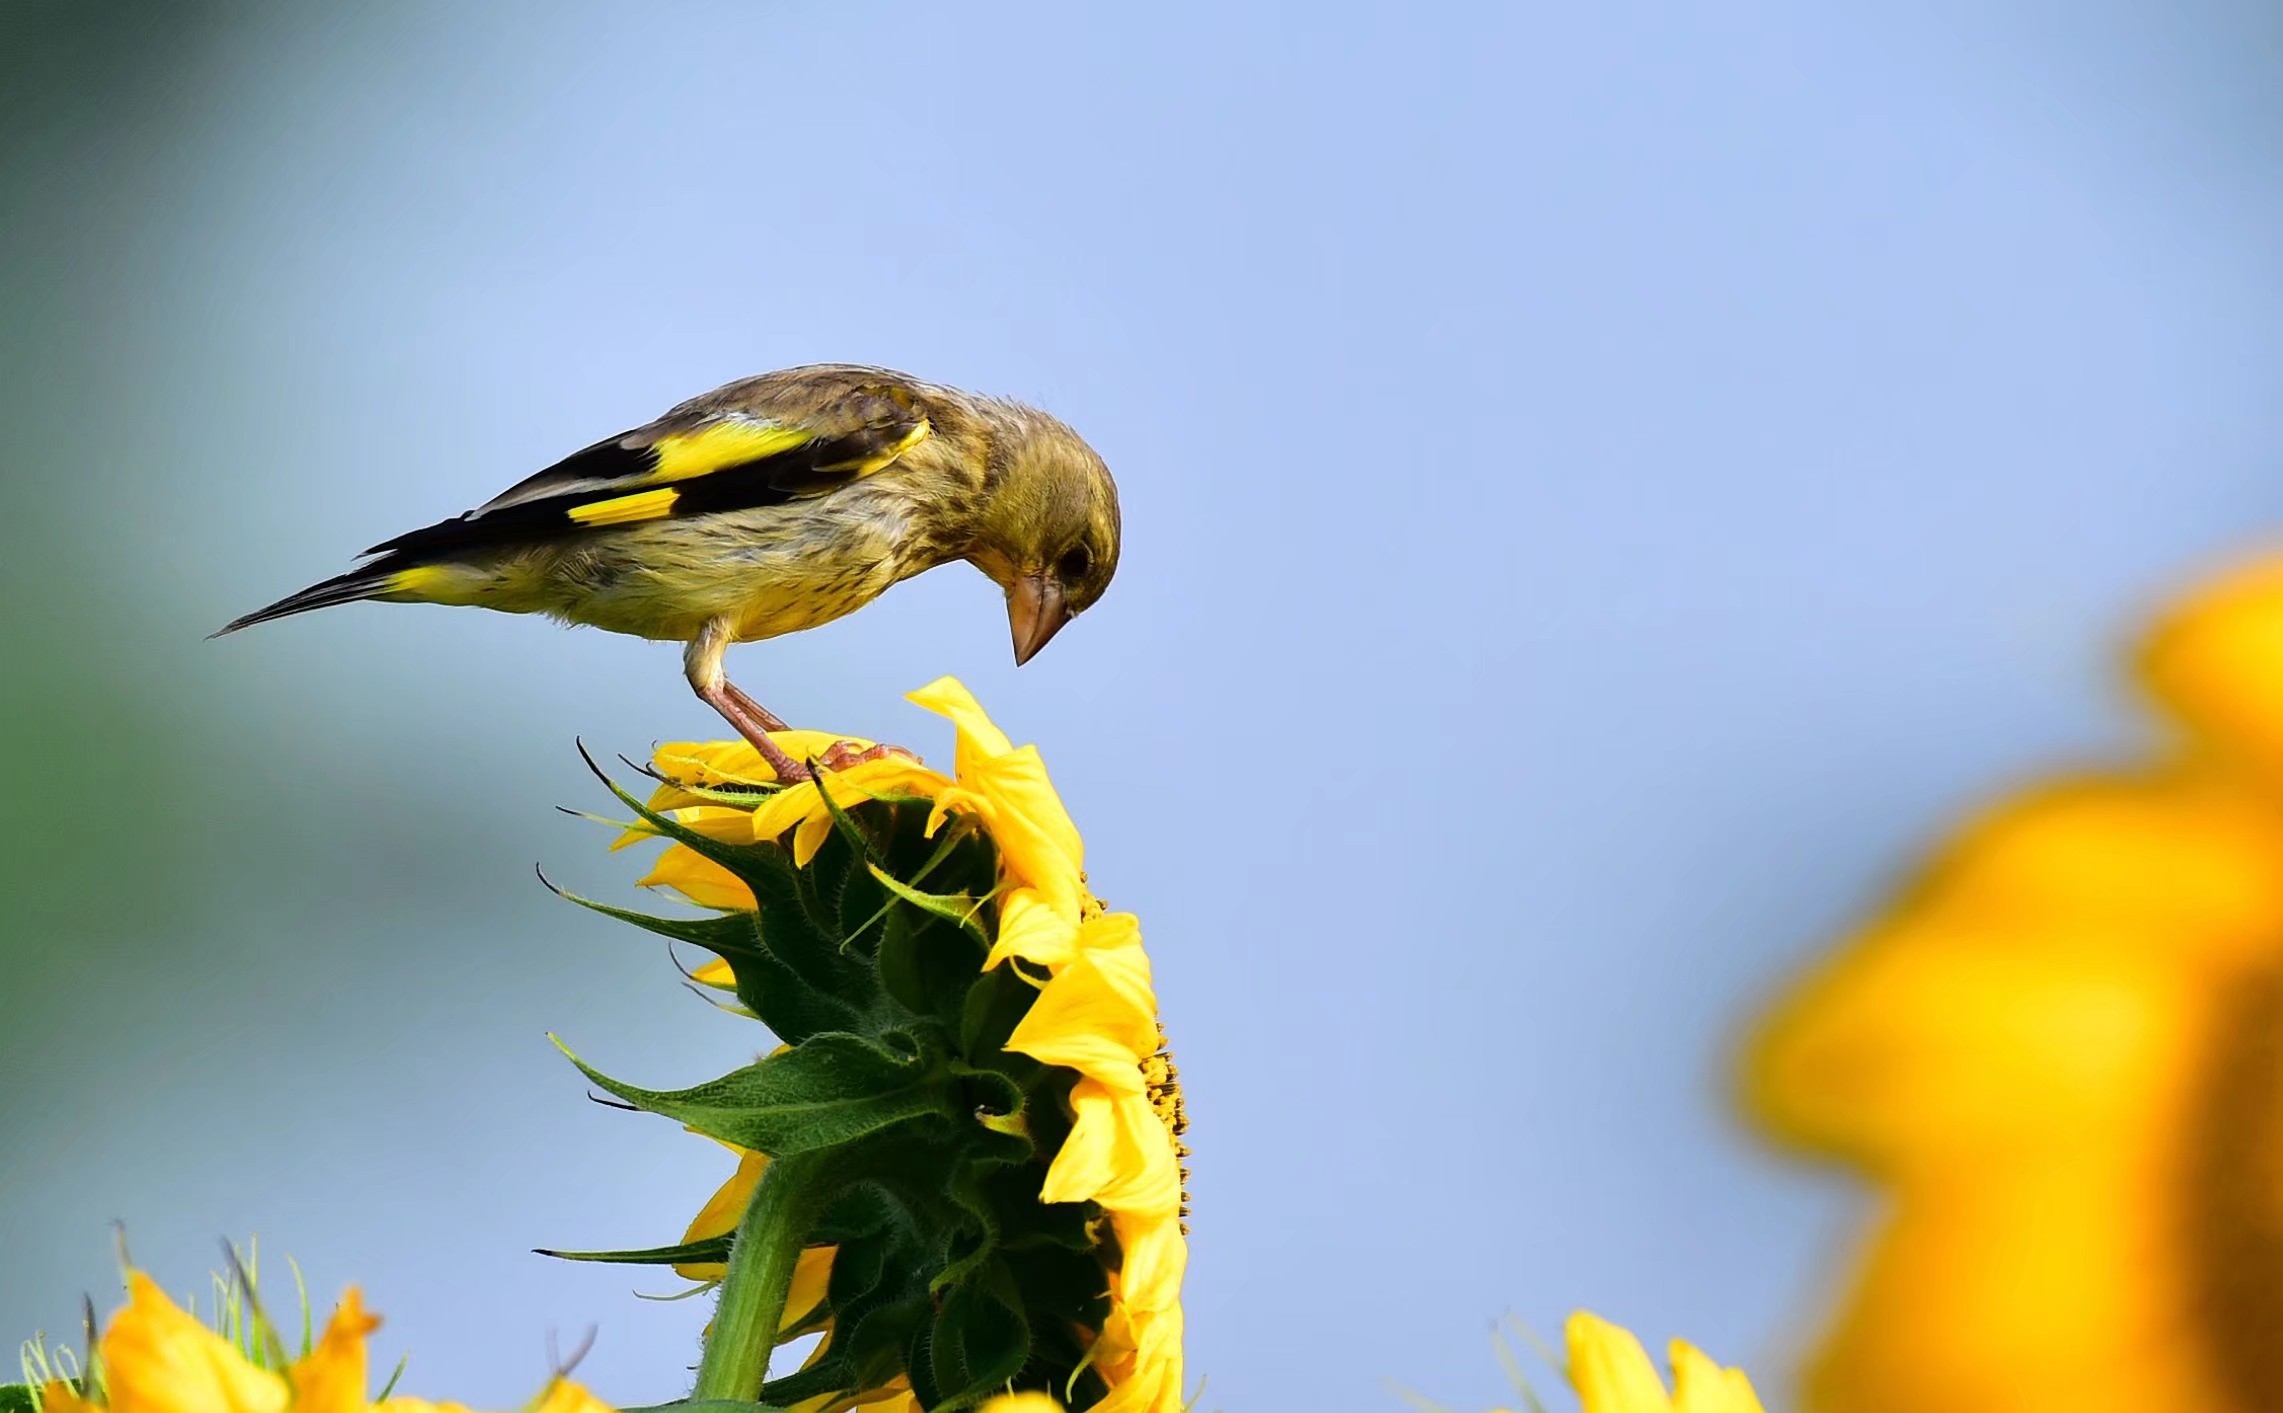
772,571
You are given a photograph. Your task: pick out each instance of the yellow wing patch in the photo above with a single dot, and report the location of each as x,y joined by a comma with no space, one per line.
421,580
730,442
625,510
866,465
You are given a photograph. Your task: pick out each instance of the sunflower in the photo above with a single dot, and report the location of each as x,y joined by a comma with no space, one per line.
1060,1103
157,1358
2060,1052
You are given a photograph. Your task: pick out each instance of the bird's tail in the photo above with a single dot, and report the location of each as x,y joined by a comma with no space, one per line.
369,582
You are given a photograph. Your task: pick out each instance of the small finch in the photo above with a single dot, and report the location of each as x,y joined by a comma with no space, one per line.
766,507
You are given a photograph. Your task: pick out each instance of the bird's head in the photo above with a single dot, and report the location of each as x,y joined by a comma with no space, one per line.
1047,531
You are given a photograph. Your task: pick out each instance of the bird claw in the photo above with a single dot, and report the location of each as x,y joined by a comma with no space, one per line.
847,753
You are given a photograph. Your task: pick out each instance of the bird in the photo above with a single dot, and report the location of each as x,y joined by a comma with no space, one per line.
768,506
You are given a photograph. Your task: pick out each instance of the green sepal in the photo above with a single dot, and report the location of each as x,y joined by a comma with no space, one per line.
729,856
737,797
17,1398
925,967
843,823
799,929
787,1002
977,1343
988,1095
993,1007
956,908
722,934
778,889
862,1211
863,907
830,1090
713,1249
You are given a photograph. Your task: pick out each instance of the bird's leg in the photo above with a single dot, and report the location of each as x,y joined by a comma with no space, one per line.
847,753
701,663
788,770
753,708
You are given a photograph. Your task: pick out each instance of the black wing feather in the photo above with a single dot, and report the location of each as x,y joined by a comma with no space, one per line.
812,468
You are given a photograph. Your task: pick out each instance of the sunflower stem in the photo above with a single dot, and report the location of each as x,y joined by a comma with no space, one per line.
762,1256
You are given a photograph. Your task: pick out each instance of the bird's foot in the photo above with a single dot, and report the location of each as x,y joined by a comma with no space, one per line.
754,724
847,753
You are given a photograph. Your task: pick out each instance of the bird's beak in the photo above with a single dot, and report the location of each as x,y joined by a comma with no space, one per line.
1036,613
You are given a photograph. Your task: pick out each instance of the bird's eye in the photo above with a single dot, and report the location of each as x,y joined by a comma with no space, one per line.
1074,563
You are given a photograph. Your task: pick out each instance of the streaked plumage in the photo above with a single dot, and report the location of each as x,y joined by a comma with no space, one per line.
768,506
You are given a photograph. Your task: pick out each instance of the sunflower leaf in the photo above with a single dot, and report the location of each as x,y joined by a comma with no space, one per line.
829,1090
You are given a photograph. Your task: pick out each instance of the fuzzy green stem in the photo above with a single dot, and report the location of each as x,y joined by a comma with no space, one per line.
762,1257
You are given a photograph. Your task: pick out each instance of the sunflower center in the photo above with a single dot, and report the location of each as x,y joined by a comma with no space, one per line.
1161,1081
2235,1209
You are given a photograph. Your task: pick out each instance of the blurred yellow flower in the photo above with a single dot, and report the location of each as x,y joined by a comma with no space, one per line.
1612,1374
2061,1049
157,1358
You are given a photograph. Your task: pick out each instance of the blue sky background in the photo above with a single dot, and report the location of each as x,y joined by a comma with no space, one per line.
1603,485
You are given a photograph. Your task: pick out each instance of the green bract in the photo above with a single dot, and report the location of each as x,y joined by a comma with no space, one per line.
900,1129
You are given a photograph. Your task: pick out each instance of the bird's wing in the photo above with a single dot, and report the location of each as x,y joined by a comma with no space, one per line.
765,441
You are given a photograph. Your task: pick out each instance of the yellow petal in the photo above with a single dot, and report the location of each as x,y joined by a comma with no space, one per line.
1098,1016
1028,1402
809,836
1611,1370
1037,840
700,880
1034,928
2216,661
812,1273
332,1378
1155,1256
888,778
715,973
563,1396
948,697
896,1397
716,763
1118,1154
1106,930
730,826
157,1359
712,763
722,1212
1149,1381
1702,1386
58,1396
1035,833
